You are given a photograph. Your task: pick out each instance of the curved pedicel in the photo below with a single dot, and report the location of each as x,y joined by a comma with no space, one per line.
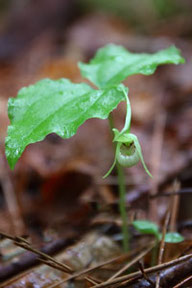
128,150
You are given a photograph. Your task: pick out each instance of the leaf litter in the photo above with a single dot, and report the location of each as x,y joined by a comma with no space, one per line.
174,160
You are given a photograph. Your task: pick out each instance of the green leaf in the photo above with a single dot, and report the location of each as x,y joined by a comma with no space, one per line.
113,64
173,237
54,107
146,227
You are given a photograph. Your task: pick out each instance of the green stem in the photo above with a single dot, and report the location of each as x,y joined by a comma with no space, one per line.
127,125
122,206
111,126
155,251
122,195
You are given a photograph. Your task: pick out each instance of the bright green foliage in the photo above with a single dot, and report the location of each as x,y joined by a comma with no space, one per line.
54,107
112,64
61,107
148,227
173,237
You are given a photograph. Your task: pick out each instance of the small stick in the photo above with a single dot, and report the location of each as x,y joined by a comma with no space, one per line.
53,265
145,275
183,282
21,242
175,204
92,281
15,278
88,270
44,258
162,246
168,194
132,262
138,274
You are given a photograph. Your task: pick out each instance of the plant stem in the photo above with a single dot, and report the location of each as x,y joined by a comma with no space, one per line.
154,254
111,126
122,194
122,206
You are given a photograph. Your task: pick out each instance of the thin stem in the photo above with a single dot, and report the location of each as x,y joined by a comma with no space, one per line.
111,126
127,125
122,195
122,206
154,254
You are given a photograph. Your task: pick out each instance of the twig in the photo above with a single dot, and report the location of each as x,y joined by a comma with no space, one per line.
92,281
175,205
29,259
138,274
53,265
88,270
168,194
162,246
132,262
145,275
44,258
15,278
50,261
168,277
183,282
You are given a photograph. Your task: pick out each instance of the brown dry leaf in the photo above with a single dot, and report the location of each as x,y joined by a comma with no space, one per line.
63,67
3,119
